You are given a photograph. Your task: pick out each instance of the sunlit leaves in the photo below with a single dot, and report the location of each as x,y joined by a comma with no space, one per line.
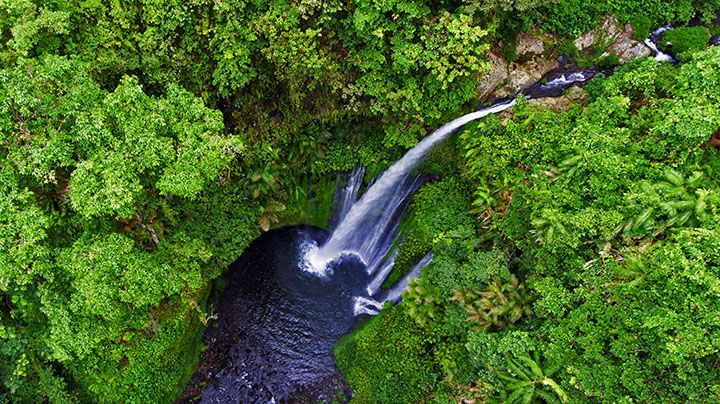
23,227
33,25
139,142
677,201
454,48
526,381
499,306
93,261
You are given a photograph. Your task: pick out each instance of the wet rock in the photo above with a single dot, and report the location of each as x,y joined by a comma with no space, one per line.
627,52
605,33
495,77
534,61
528,46
521,75
626,47
572,96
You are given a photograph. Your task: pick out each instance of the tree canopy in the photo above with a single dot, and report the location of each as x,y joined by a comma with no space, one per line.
144,144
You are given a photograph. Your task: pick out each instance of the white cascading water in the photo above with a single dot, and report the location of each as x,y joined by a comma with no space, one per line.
569,79
650,42
394,294
367,305
368,228
346,196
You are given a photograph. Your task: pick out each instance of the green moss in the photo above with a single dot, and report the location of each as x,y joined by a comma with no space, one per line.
387,360
311,205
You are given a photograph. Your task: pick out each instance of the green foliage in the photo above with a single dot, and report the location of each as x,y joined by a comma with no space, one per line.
526,381
614,217
511,5
436,208
627,333
399,369
568,49
499,306
142,146
685,41
101,280
571,18
151,144
608,61
641,25
677,201
421,303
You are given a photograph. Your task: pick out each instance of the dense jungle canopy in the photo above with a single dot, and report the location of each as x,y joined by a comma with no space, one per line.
144,144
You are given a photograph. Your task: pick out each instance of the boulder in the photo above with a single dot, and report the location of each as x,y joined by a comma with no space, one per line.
528,46
495,77
626,47
605,33
572,96
504,80
521,75
619,40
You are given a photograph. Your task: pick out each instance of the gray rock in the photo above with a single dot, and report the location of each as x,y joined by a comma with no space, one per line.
572,96
626,47
528,46
604,34
619,40
495,77
504,80
521,75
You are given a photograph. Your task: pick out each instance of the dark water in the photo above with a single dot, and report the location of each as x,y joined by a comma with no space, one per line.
556,81
277,324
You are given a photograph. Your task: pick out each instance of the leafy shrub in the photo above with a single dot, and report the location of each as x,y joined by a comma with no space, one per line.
608,61
499,306
684,41
436,208
387,360
641,25
608,257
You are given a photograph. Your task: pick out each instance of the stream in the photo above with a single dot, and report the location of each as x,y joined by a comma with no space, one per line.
296,291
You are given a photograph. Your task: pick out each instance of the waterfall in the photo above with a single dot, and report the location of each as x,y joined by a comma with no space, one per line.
382,274
345,196
652,41
394,294
368,229
365,305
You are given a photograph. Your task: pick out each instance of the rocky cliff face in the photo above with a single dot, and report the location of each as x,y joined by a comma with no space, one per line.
538,54
618,39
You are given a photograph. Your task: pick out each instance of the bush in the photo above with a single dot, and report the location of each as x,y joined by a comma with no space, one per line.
387,360
641,26
685,41
436,208
608,61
